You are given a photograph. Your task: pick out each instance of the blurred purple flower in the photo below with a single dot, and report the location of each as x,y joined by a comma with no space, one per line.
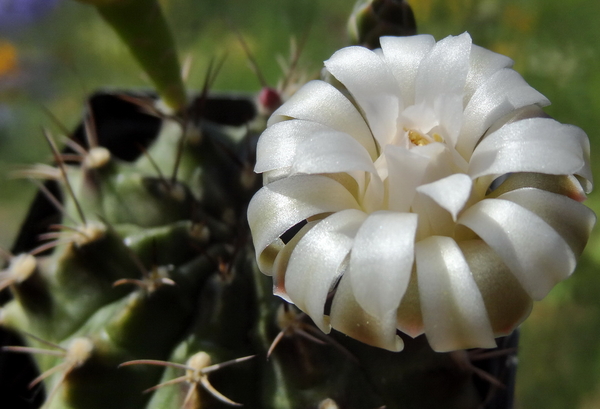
15,13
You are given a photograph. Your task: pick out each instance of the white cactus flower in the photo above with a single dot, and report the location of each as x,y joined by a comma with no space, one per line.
428,193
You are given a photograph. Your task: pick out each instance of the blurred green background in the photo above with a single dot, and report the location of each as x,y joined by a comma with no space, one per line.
56,55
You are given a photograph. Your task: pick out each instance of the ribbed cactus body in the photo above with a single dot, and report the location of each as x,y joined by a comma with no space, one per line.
130,275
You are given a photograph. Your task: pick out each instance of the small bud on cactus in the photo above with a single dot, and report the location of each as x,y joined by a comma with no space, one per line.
269,100
376,18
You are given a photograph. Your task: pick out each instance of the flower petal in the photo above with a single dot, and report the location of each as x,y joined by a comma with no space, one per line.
331,152
502,93
282,204
449,110
451,192
406,170
374,196
409,318
527,112
440,161
311,274
404,55
444,70
283,258
483,64
570,219
535,253
334,153
381,261
348,317
362,72
278,143
453,310
566,185
321,102
540,145
506,302
368,78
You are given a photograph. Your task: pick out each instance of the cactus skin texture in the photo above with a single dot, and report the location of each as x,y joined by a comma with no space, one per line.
152,278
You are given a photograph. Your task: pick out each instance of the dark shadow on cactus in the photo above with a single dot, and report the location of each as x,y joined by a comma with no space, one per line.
16,371
502,367
40,216
121,126
223,110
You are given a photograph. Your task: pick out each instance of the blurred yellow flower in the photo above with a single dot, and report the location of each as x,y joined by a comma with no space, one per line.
8,58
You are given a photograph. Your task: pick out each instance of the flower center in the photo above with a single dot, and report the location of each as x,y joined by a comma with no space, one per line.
419,139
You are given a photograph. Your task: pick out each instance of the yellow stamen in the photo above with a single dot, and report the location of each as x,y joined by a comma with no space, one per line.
417,138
